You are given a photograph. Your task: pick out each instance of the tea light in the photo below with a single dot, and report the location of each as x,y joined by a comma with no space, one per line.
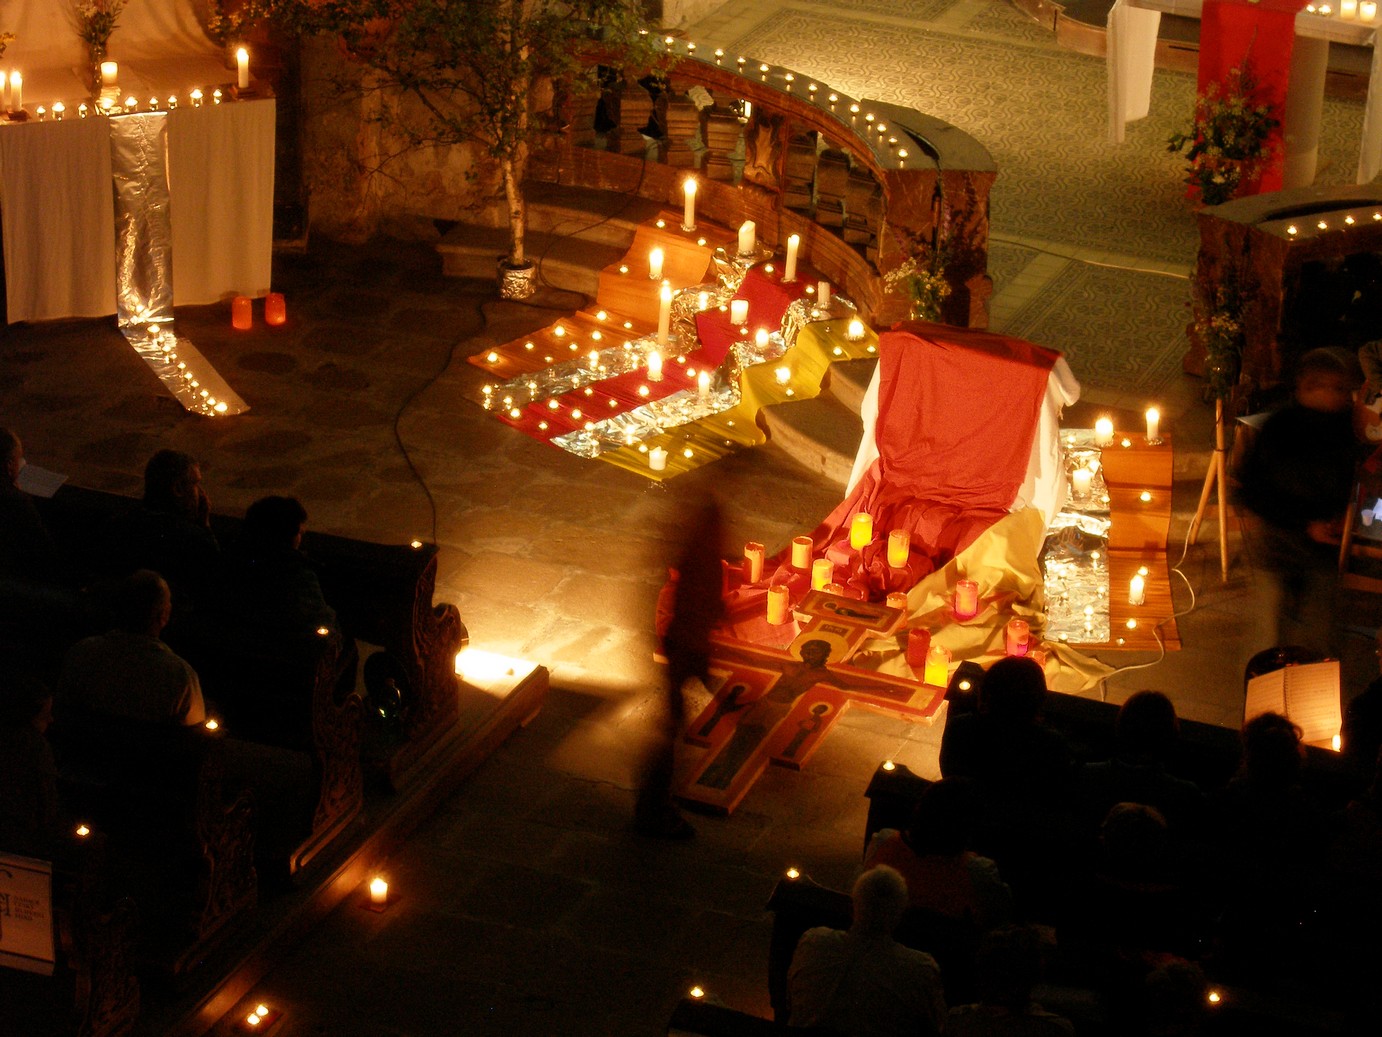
760,339
754,556
1080,480
688,215
748,237
822,574
59,110
937,672
110,73
966,599
654,366
899,547
657,459
861,530
655,258
739,311
789,269
856,330
664,315
897,600
275,309
378,888
1016,637
196,96
242,67
834,588
1153,426
801,552
241,313
777,604
1103,432
823,294
1137,590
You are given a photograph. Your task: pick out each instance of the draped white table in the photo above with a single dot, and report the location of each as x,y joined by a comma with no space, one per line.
1132,34
59,233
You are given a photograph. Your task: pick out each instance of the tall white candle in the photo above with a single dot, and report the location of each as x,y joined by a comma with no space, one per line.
664,315
1348,8
688,217
1137,590
16,91
1103,432
703,385
823,294
110,73
748,237
789,273
242,64
1153,425
738,311
655,258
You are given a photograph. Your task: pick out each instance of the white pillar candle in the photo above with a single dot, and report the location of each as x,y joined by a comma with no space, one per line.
657,459
801,552
1103,432
754,555
110,73
1153,425
748,237
1367,10
664,315
242,65
703,385
1348,8
654,366
688,216
703,301
1080,480
655,258
966,599
16,91
789,272
861,530
822,574
856,330
899,548
1137,590
823,294
777,604
739,311
378,891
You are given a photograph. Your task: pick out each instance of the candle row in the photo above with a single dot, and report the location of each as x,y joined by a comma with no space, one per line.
1103,429
1349,10
12,90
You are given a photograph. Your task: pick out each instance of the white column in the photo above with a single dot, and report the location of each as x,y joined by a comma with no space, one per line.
1304,103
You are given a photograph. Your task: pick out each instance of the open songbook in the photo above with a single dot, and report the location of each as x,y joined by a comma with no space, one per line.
1307,693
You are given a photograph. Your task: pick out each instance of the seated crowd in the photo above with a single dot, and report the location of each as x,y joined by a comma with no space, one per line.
1114,876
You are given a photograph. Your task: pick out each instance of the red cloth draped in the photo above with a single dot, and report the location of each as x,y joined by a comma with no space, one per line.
957,414
1262,34
768,300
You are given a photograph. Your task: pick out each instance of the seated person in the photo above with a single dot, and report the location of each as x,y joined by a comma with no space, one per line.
128,672
942,875
27,551
28,774
1146,733
171,532
861,982
1009,967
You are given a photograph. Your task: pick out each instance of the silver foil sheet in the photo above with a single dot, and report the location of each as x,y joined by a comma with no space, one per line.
649,420
1075,555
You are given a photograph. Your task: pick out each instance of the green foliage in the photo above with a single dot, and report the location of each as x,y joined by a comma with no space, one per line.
1219,322
925,286
1227,145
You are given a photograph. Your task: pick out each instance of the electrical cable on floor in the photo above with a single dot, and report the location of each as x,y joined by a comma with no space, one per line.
398,437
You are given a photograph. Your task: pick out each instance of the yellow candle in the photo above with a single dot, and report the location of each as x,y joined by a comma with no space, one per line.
937,672
1017,636
1103,432
110,74
801,552
1367,10
655,258
861,530
777,605
899,547
754,554
966,599
1348,8
822,574
657,459
703,385
823,294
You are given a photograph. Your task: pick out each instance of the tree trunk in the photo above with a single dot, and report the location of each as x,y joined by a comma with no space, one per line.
512,168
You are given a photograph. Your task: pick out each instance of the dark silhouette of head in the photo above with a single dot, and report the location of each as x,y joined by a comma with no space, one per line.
1133,840
1326,378
1147,727
880,898
274,524
171,482
1271,750
1013,689
943,818
1008,966
143,603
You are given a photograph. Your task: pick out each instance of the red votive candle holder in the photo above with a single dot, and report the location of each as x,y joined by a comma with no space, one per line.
966,599
241,313
918,644
1017,637
275,309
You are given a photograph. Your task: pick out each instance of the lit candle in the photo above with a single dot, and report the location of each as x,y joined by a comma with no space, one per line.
748,237
688,216
1103,432
834,588
1080,480
654,366
1016,637
196,96
16,91
823,294
59,110
703,385
1348,8
657,459
1367,10
937,672
754,555
897,600
242,64
861,530
703,300
241,313
856,330
777,604
110,73
275,309
783,375
1137,590
664,315
801,552
760,339
822,574
655,258
966,599
739,311
789,271
899,547
1153,425
378,888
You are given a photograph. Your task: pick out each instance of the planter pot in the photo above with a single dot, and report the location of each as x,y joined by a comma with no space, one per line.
516,282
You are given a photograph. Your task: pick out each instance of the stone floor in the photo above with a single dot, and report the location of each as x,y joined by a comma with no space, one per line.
527,905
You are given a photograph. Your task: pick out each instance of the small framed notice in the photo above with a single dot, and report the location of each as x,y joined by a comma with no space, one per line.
1307,693
26,914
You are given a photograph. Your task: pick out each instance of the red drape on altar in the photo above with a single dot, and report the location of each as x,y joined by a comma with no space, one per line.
1262,33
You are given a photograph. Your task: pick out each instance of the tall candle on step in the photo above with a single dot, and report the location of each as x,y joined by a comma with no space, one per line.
1017,637
1137,589
789,272
801,552
1153,425
777,604
861,530
655,258
664,315
822,574
16,91
937,672
748,237
754,556
688,215
966,599
899,547
1103,432
703,385
823,294
242,65
739,311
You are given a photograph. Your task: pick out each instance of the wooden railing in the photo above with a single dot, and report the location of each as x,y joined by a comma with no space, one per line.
866,184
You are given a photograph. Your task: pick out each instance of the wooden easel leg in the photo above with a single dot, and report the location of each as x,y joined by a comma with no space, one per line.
1215,479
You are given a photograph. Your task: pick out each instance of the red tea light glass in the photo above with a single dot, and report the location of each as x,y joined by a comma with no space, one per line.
966,599
275,309
1017,637
918,645
241,313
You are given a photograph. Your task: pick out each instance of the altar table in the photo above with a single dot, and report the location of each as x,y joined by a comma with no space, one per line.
59,225
1132,35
